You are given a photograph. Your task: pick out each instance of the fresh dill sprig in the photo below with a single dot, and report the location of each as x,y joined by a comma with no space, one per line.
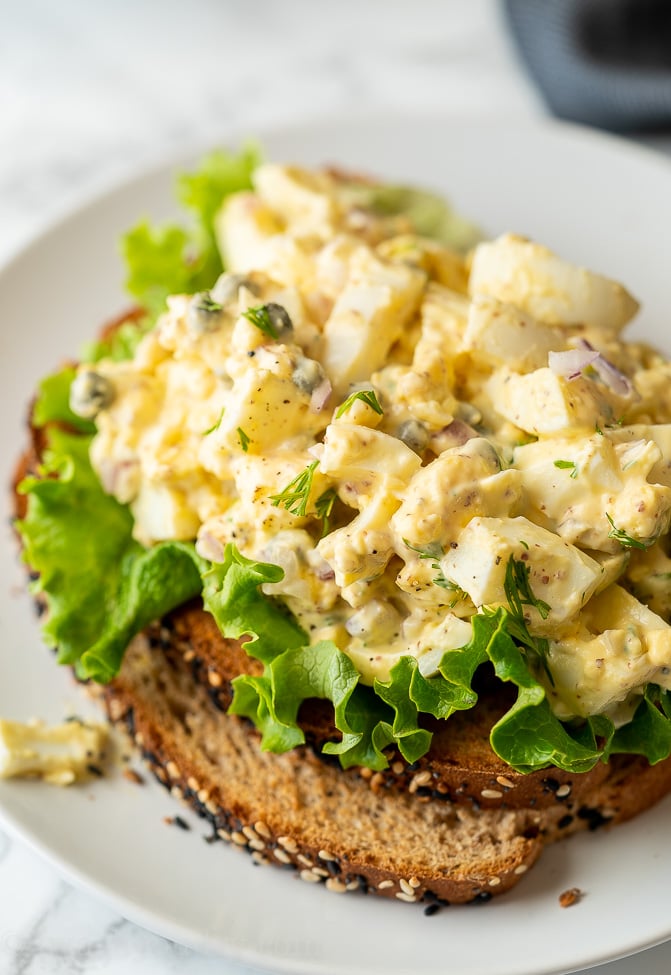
295,496
519,594
367,396
324,507
435,552
260,316
518,590
625,540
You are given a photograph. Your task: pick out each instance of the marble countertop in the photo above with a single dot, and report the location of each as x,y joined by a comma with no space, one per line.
90,92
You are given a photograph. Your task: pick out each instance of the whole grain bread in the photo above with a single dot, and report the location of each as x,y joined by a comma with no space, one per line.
456,826
334,826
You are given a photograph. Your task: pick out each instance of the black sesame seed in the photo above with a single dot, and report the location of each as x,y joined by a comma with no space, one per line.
482,897
431,909
182,823
593,817
565,821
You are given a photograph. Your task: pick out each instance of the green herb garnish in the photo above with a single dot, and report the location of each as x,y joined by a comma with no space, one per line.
206,303
625,540
568,465
296,494
324,507
366,396
215,426
519,592
260,317
244,439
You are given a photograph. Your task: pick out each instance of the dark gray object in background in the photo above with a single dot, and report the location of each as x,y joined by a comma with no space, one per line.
602,62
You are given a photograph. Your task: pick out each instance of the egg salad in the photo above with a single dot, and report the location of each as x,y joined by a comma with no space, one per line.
414,436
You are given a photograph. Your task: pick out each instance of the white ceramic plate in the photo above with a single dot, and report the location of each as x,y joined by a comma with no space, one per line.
598,201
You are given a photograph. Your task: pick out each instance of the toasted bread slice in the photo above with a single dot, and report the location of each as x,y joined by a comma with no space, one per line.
331,826
460,764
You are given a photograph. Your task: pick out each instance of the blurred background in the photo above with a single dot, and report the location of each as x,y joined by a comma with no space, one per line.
91,91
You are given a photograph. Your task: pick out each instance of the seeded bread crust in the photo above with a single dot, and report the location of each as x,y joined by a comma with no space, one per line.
457,826
336,827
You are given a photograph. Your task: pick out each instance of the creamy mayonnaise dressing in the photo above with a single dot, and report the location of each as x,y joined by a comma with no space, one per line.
509,421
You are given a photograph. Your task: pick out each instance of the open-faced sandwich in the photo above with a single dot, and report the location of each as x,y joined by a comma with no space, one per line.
364,539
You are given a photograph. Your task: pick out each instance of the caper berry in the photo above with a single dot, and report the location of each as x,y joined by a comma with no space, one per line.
204,314
307,375
90,393
414,435
280,318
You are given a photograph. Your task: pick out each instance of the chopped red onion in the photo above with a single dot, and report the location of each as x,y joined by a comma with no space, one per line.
571,363
320,396
609,374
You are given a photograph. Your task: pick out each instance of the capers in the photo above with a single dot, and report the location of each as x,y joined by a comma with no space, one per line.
414,435
228,285
280,319
307,375
204,314
90,393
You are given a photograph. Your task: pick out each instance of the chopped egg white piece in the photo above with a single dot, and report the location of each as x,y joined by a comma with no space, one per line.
59,754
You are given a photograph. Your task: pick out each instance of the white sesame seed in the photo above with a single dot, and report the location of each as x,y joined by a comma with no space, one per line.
258,857
306,861
521,869
262,829
139,738
215,679
290,845
257,844
309,877
224,835
239,839
325,855
320,872
415,882
249,832
494,882
116,710
176,792
505,782
408,898
491,794
212,807
337,886
193,783
397,768
563,791
405,887
281,856
352,885
189,655
172,769
203,796
385,884
422,778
